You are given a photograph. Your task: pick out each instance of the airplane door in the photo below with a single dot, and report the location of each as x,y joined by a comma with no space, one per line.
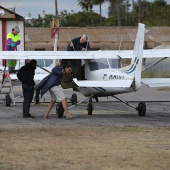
67,80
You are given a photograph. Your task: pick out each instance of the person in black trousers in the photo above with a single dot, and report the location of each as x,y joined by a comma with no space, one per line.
26,76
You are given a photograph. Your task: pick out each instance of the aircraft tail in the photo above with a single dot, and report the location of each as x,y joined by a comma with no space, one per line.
136,62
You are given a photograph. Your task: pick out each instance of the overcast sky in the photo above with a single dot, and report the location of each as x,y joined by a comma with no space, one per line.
35,7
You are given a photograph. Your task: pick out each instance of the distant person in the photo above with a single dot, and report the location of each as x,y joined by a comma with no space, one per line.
26,76
52,83
13,40
80,44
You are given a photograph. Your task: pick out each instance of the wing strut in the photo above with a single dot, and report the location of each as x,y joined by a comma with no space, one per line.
154,63
43,68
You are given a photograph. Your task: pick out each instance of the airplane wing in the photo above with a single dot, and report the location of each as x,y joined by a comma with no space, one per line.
81,54
45,55
156,82
56,55
110,83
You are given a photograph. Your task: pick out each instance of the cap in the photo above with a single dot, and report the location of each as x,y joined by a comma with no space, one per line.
17,29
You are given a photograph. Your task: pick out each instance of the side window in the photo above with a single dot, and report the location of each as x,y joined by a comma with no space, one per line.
98,64
115,63
48,62
93,65
40,62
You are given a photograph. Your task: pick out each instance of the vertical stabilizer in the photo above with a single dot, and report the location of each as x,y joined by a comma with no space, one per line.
136,62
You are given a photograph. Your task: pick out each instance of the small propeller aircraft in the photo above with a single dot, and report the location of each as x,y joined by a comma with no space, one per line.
104,74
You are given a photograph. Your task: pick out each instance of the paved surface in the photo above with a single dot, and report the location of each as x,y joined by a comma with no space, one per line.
108,112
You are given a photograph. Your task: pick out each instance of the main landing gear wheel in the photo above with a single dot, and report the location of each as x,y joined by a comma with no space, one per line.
74,99
141,109
7,100
90,107
60,110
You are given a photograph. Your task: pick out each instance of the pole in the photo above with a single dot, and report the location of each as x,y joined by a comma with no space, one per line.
56,8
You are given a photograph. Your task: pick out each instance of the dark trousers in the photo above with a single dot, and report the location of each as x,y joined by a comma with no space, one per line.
37,99
82,72
28,92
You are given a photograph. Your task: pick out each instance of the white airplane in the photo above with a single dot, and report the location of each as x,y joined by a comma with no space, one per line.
104,74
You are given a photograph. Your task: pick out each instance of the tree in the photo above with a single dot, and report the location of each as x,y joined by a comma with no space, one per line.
80,19
153,13
119,9
99,2
40,21
86,5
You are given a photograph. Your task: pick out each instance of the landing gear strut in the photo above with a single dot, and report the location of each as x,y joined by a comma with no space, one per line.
141,107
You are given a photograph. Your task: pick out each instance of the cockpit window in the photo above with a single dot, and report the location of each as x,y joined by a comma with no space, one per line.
44,63
98,64
104,63
114,63
48,62
40,62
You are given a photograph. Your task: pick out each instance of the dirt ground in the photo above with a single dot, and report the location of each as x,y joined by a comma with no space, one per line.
92,148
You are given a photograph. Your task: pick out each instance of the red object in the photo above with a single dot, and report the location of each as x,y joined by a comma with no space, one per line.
3,39
53,32
7,75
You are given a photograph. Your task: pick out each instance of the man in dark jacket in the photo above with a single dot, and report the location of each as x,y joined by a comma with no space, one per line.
52,83
26,76
80,44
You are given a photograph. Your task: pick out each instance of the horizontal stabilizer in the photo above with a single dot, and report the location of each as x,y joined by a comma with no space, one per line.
104,83
156,82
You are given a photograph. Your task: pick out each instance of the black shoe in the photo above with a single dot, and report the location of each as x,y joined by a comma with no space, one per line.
28,116
31,116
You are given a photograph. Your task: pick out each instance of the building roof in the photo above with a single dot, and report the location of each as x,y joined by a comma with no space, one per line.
8,14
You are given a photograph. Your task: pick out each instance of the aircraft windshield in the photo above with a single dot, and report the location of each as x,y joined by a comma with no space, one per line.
104,63
44,63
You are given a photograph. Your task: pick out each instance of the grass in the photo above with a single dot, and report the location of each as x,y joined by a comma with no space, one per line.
149,74
85,148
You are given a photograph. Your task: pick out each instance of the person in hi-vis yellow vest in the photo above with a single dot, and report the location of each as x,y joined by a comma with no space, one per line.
13,39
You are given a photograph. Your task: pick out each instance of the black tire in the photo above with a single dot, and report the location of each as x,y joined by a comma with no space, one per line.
74,99
60,110
7,100
141,109
90,108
